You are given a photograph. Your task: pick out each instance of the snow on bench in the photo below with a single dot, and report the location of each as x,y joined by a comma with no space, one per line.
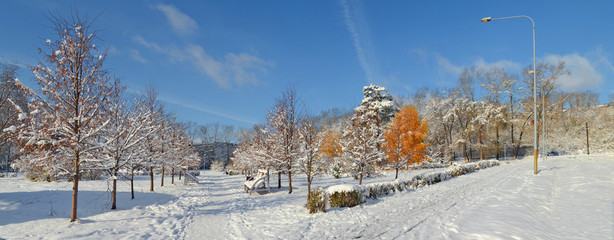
257,184
190,178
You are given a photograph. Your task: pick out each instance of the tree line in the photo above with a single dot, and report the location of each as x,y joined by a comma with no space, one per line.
487,114
293,141
81,124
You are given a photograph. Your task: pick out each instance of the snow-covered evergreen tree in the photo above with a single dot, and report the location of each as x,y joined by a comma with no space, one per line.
377,99
360,141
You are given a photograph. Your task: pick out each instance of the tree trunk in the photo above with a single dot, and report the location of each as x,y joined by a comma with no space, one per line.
397,174
173,176
514,151
162,179
465,152
180,172
75,189
588,152
289,181
360,181
481,145
278,179
268,179
497,147
308,187
114,192
132,182
151,182
470,153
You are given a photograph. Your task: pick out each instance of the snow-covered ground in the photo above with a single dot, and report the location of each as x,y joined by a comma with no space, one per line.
572,197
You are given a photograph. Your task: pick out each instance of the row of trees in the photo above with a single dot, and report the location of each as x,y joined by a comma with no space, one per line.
80,122
490,110
293,141
487,114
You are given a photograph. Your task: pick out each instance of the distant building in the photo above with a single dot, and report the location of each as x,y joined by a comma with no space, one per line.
219,151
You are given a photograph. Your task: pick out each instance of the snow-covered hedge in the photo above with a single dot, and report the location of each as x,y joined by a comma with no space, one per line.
317,201
351,195
346,195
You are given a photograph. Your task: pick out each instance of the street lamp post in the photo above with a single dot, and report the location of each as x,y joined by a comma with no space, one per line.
488,19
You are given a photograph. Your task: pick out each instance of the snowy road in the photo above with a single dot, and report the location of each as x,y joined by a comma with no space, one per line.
571,198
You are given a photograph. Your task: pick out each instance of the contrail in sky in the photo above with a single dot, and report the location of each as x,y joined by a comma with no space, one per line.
356,23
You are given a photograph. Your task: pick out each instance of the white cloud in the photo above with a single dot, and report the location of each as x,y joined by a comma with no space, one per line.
240,70
136,55
509,66
446,67
599,57
181,22
583,73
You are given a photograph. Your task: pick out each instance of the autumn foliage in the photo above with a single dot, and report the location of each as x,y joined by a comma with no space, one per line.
404,141
330,147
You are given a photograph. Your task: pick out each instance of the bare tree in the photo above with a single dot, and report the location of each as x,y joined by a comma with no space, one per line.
547,74
69,108
9,95
309,163
150,104
284,121
122,136
468,81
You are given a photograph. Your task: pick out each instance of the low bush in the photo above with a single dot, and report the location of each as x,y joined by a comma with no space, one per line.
317,201
352,195
345,199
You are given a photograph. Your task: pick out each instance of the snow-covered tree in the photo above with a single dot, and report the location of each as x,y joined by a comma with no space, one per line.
496,82
126,130
547,76
404,141
60,134
309,161
283,122
486,115
151,154
377,99
253,151
9,95
360,142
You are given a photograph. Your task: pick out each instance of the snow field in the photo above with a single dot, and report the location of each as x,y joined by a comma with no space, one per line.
572,197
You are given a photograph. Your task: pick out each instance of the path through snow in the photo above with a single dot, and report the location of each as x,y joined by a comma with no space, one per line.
572,197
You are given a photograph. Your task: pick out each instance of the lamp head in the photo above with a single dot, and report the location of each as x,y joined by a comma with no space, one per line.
486,19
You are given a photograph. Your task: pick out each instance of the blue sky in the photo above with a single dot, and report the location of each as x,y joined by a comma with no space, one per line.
226,61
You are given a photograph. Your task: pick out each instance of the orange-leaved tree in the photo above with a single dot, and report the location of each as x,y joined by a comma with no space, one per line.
330,150
330,147
404,141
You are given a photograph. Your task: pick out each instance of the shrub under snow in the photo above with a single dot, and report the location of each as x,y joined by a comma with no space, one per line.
317,201
351,195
